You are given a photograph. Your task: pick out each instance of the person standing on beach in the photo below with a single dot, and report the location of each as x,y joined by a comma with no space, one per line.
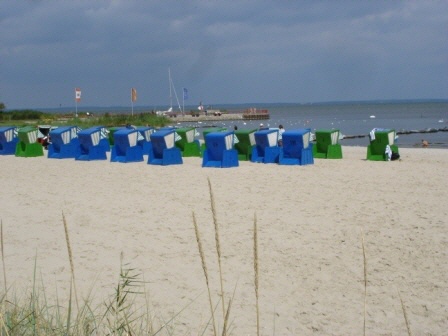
281,130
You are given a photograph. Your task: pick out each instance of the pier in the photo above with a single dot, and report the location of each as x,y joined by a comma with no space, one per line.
256,114
218,115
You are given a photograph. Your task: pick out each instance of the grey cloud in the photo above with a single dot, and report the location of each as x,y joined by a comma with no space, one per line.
225,53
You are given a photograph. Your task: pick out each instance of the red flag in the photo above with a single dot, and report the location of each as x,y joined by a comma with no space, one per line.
78,94
133,94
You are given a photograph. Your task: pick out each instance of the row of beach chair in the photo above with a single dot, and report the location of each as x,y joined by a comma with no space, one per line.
166,146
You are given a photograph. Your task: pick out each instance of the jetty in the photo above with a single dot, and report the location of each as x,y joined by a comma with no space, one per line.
256,114
427,130
220,115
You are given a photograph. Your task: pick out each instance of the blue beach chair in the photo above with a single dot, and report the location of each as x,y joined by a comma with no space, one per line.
93,144
164,151
145,139
219,151
297,148
208,130
266,149
126,148
8,140
64,142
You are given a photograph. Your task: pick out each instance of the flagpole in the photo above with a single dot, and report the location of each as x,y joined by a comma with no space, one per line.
77,98
133,98
183,102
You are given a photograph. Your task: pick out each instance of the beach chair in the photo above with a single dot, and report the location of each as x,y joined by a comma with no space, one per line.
380,139
145,139
266,149
112,131
206,131
27,146
187,143
246,142
125,147
219,151
64,142
327,145
93,144
164,150
297,148
8,140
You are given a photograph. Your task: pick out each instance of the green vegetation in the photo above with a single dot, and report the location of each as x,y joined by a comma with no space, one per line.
118,315
111,120
83,120
21,115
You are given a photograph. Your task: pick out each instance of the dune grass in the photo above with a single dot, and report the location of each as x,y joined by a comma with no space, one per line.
32,314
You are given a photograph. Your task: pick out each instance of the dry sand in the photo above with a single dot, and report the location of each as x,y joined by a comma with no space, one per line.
311,220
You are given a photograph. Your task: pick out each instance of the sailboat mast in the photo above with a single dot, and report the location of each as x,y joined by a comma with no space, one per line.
170,83
172,88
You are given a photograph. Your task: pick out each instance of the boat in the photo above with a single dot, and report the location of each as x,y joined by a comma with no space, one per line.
169,111
162,113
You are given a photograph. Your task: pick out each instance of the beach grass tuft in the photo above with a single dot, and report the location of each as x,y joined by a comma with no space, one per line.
218,245
204,268
70,257
365,280
3,259
405,315
256,280
32,314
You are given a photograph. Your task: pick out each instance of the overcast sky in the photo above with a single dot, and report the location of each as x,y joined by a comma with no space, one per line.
221,51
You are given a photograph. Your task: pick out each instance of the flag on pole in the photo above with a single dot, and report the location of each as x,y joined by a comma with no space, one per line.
133,94
185,94
78,94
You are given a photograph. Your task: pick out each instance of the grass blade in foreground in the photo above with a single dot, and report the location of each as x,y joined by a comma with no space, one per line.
204,268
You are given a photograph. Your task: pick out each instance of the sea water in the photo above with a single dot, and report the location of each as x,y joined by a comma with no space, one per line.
351,119
355,119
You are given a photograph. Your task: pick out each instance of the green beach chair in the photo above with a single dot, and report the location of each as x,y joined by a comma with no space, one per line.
327,145
28,145
112,130
246,141
379,140
187,144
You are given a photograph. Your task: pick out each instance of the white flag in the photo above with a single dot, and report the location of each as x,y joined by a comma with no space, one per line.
78,94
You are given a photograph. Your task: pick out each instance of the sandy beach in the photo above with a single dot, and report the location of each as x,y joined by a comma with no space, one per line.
311,224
